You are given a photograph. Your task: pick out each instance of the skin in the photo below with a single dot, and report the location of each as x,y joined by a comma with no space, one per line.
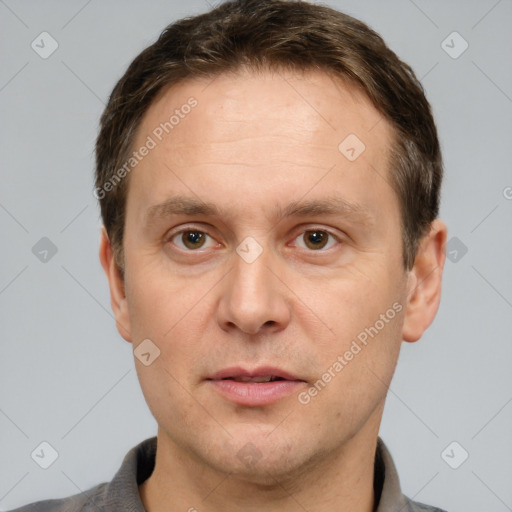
255,143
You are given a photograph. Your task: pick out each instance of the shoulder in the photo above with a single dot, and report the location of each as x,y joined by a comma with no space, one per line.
88,501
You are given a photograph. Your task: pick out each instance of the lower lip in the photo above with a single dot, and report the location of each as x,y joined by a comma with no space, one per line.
253,394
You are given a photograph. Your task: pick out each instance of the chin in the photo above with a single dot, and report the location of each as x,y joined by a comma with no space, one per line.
261,460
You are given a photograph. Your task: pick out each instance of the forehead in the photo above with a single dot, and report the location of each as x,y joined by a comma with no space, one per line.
278,99
275,129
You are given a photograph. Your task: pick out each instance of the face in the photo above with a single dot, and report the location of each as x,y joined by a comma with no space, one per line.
255,246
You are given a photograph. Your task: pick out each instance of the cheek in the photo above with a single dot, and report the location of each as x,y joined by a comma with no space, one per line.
173,313
358,351
170,315
356,362
354,299
162,304
167,397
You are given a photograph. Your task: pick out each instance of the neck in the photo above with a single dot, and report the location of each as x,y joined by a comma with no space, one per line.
341,480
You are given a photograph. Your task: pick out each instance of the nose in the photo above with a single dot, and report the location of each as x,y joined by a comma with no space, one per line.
253,298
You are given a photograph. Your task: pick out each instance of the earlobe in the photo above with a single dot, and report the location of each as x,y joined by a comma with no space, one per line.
116,284
424,283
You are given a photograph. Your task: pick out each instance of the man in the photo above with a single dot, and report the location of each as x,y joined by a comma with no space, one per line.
269,177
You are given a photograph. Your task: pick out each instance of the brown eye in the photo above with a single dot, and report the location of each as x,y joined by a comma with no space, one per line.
316,239
190,239
193,239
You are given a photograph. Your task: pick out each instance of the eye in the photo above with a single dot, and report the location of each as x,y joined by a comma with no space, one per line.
192,239
316,239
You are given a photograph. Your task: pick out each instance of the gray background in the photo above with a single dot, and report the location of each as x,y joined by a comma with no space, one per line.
66,376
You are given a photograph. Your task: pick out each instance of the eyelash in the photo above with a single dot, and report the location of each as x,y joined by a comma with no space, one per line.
312,229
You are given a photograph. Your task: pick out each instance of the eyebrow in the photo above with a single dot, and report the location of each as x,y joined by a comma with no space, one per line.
335,206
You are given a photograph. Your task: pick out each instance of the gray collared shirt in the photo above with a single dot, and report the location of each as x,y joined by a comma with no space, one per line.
122,493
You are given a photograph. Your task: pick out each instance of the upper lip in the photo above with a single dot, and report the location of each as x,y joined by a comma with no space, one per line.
261,371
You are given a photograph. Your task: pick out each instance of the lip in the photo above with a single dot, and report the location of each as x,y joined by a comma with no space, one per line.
261,371
254,394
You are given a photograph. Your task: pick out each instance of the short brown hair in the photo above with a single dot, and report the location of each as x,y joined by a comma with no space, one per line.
278,34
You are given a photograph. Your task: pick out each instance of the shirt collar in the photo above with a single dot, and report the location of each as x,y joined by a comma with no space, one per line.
122,493
391,497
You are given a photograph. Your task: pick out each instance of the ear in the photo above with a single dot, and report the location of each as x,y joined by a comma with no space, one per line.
424,282
116,284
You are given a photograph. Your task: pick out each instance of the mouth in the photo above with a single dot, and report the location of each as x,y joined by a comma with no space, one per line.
266,378
258,387
257,375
